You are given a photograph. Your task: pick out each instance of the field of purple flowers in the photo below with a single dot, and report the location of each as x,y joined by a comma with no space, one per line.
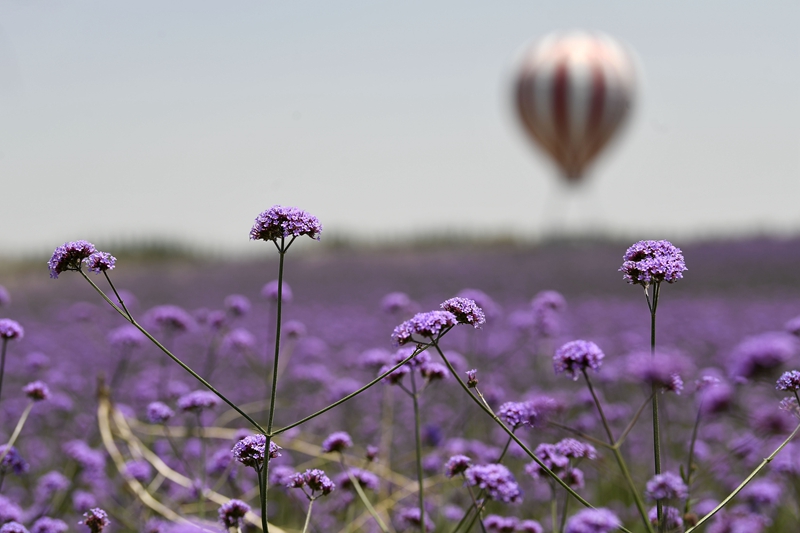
116,425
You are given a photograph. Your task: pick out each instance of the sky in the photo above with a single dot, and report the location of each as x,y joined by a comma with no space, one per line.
182,120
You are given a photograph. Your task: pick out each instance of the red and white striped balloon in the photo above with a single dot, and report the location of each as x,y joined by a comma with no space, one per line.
573,91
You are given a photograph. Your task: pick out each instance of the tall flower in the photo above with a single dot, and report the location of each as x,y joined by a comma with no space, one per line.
576,356
69,256
280,222
649,262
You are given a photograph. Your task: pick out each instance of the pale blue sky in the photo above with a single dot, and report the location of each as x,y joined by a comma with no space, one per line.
185,119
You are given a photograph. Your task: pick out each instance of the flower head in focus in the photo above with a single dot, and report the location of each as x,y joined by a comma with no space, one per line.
100,262
279,222
496,480
576,356
69,256
465,310
428,324
647,262
250,450
96,519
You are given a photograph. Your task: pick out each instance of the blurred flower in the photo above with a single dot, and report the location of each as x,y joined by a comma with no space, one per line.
671,517
237,304
12,461
409,517
270,291
648,262
231,513
13,527
139,470
5,297
500,524
338,441
170,318
49,525
592,521
762,353
280,222
546,308
198,400
576,356
396,302
457,464
127,336
10,329
666,486
159,413
496,480
366,479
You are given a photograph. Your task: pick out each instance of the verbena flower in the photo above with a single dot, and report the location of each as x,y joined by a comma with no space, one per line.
10,329
546,308
9,511
198,400
592,521
789,381
100,262
36,391
472,378
428,325
662,370
88,458
316,480
5,297
338,441
96,519
501,524
409,517
672,517
395,302
762,493
530,526
576,356
49,484
13,527
280,222
516,414
13,461
139,470
49,525
270,291
465,310
648,262
366,479
433,371
457,464
496,480
758,355
170,318
231,513
738,519
250,450
69,256
127,336
575,449
238,340
237,304
666,486
159,413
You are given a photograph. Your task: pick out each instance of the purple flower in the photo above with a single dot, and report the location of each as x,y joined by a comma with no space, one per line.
9,511
762,493
515,414
465,310
198,400
372,453
672,517
69,257
546,307
793,326
483,300
576,356
428,324
239,340
410,518
100,262
49,525
592,521
279,222
49,484
37,391
13,527
12,461
457,464
82,501
791,406
433,371
574,449
126,336
159,413
738,520
96,519
530,526
552,457
366,479
666,486
90,460
10,329
170,318
250,450
315,480
139,470
395,302
648,262
496,480
396,376
500,524
762,353
661,369
789,381
5,297
338,441
472,378
270,291
231,513
237,305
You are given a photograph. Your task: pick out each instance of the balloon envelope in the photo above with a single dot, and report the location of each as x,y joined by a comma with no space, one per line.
573,91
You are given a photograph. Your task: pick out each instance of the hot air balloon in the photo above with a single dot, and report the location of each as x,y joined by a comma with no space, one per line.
573,91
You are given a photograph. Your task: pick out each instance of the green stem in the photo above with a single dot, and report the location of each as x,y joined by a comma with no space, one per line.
183,365
364,499
262,488
618,456
352,394
656,424
744,483
553,509
632,423
274,388
691,459
308,515
418,439
478,509
17,431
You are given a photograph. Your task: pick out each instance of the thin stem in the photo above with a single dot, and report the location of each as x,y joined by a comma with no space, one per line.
689,469
203,472
17,431
183,365
553,509
279,308
477,508
352,394
563,521
308,514
364,499
418,439
632,423
618,456
744,483
178,454
505,450
656,423
119,298
581,434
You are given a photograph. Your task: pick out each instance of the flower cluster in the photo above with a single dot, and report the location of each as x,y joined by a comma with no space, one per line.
428,325
465,310
96,519
592,521
457,464
232,513
496,480
666,486
648,262
789,381
10,329
576,356
516,414
250,450
315,480
279,222
338,441
198,400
